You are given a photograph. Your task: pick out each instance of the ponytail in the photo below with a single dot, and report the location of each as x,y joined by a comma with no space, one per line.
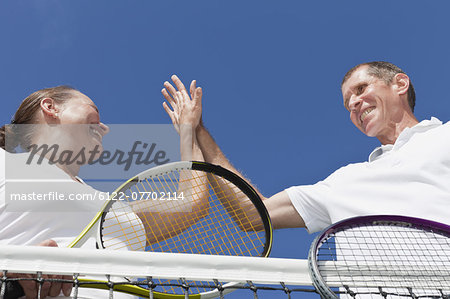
3,137
10,138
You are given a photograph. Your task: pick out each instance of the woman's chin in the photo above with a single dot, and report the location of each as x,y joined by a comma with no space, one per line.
95,152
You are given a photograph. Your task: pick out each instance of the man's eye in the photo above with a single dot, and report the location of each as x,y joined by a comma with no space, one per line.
361,88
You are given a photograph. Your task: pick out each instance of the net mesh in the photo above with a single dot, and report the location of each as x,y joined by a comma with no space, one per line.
116,272
184,211
389,260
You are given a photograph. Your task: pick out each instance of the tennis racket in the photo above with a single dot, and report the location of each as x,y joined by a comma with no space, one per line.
182,207
382,257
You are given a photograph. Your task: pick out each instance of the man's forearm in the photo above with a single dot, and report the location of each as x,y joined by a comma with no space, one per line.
211,151
213,154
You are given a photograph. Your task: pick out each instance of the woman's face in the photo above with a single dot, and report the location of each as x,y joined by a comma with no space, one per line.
80,120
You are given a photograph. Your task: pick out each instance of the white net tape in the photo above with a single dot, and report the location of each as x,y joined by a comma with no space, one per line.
217,271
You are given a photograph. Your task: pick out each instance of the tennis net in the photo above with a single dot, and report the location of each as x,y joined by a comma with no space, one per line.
152,274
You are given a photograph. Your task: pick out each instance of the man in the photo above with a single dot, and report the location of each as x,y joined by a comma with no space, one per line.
409,174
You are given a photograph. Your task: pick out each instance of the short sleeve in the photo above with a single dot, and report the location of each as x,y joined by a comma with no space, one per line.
308,201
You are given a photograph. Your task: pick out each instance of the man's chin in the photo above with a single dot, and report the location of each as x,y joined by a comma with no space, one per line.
369,129
368,133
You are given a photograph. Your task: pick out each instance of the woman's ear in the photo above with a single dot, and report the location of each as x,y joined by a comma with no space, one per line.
48,107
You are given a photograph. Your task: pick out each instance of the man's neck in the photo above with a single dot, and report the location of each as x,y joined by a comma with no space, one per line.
396,128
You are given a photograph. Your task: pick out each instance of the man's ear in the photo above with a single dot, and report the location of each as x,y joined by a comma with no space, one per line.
48,107
401,81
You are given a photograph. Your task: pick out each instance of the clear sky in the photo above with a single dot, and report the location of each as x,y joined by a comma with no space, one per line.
270,72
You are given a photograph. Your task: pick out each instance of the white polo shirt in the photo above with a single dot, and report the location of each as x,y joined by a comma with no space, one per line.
410,178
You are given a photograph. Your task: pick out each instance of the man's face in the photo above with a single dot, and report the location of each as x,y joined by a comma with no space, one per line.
374,106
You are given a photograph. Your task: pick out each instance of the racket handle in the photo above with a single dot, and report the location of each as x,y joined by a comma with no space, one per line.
13,290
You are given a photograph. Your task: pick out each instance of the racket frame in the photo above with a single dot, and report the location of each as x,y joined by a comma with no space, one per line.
371,220
94,227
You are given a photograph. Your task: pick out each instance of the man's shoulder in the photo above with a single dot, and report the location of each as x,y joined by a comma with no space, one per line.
443,126
347,172
435,123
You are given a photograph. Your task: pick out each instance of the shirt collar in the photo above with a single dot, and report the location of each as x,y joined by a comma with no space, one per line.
404,136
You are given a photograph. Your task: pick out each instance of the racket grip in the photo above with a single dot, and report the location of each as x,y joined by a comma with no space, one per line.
13,290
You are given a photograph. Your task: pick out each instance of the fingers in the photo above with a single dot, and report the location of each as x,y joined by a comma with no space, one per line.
29,287
184,95
168,98
172,99
180,103
169,92
192,88
169,112
180,87
186,107
49,242
170,88
197,98
180,97
67,287
183,101
45,288
166,107
166,95
55,287
178,83
48,288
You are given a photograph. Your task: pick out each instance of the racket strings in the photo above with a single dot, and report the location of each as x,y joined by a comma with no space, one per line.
238,214
246,214
180,220
205,214
158,210
398,260
228,224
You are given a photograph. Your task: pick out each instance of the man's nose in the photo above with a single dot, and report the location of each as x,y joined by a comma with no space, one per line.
354,103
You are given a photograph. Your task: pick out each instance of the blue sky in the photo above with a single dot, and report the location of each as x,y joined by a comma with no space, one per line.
270,72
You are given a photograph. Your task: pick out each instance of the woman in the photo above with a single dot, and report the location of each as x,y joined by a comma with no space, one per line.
67,118
46,107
